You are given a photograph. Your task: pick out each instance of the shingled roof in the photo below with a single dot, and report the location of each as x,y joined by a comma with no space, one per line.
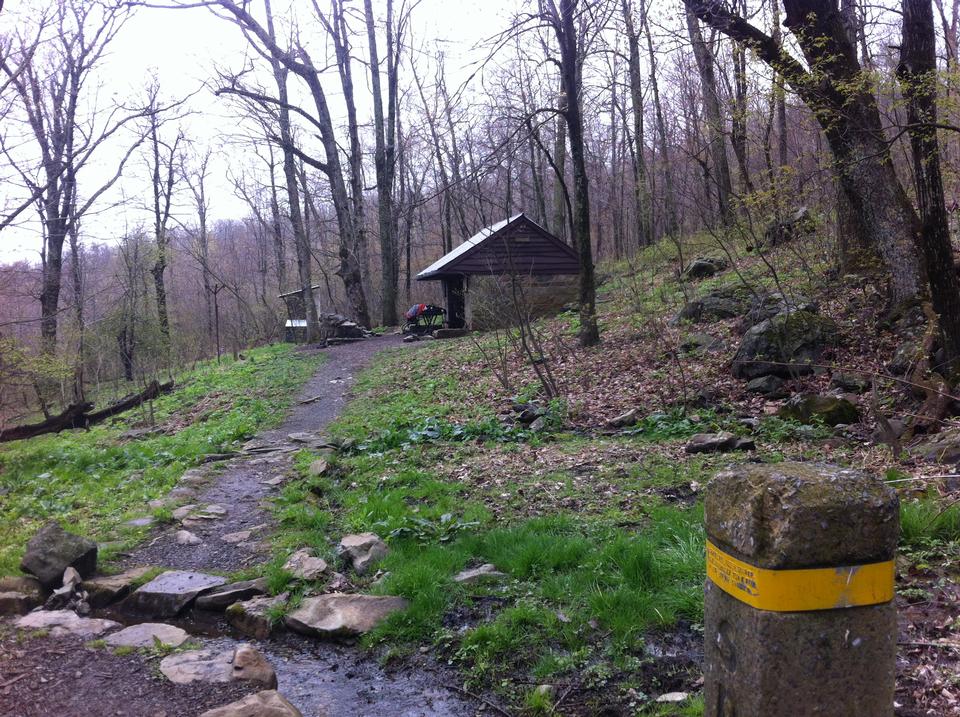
515,245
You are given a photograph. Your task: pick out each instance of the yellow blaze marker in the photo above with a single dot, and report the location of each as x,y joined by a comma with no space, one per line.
803,589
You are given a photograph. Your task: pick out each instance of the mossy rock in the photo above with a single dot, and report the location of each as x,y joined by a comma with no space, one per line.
786,345
813,408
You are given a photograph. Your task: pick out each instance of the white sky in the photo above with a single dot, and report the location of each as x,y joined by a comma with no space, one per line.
182,48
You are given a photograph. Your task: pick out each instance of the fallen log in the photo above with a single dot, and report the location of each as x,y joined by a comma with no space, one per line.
73,416
82,415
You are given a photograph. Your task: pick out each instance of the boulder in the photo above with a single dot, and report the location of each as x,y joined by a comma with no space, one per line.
771,387
340,615
904,358
52,550
697,341
941,448
244,663
222,597
813,407
304,566
487,571
63,623
786,345
766,306
850,382
14,602
714,306
362,550
252,617
110,588
718,443
184,511
148,634
170,592
268,703
703,267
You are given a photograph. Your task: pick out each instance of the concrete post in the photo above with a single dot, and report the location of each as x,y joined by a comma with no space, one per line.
799,616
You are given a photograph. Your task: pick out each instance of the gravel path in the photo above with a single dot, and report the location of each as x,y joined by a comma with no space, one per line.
322,679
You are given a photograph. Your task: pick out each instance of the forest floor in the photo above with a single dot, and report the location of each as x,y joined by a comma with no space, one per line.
597,530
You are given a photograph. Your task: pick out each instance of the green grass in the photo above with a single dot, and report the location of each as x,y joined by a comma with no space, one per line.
92,481
583,587
926,523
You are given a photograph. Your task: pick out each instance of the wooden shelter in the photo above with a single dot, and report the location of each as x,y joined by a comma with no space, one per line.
516,246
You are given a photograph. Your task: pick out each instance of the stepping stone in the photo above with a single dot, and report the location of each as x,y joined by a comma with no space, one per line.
170,592
304,566
213,509
487,571
148,634
183,511
237,537
302,437
222,597
185,537
362,550
110,588
276,480
61,623
268,703
244,663
52,550
144,522
251,617
341,615
194,476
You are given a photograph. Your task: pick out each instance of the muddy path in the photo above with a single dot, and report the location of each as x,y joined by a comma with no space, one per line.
322,679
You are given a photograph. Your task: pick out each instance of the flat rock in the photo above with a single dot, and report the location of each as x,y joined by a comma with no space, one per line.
302,437
194,476
148,634
170,592
341,615
276,480
211,666
144,522
624,419
362,550
13,602
110,588
52,550
251,617
238,537
268,703
487,571
222,597
183,511
213,509
718,443
185,537
304,566
812,408
62,623
769,386
318,467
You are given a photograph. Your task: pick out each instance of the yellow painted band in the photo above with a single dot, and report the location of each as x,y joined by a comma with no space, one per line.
801,590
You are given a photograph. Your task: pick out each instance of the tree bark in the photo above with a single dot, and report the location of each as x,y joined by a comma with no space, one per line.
918,76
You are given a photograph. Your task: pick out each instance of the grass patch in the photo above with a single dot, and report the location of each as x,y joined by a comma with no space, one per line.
92,481
582,588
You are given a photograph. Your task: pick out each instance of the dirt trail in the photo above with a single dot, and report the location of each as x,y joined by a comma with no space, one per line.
322,679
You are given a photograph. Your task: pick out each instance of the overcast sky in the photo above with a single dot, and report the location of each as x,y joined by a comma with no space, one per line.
182,48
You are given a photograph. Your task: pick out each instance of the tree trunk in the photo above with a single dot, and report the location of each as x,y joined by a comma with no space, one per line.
640,188
918,77
715,124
